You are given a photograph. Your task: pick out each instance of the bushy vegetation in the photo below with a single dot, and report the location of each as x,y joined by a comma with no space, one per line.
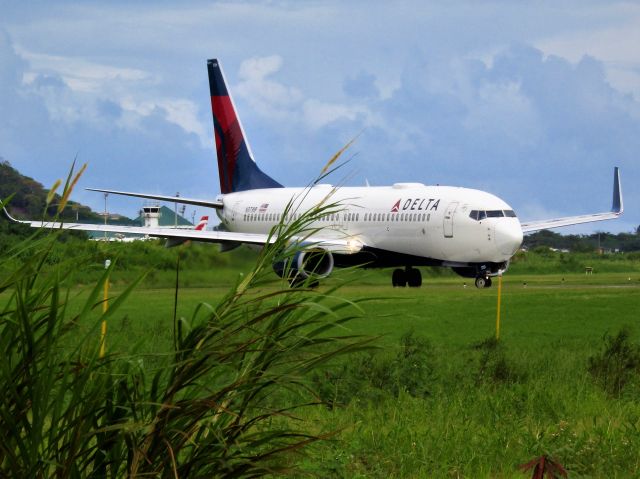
220,403
617,366
375,374
623,242
493,364
542,260
31,200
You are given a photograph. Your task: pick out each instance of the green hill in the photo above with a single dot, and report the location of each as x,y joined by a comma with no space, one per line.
30,199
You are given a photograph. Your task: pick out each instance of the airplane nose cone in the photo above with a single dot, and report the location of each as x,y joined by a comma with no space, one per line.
508,237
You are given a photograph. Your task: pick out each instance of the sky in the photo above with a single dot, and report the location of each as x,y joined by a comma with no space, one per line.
535,102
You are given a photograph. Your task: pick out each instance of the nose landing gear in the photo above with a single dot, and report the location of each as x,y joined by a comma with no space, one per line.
406,277
483,282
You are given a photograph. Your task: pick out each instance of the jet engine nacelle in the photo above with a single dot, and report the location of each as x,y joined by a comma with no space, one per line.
311,263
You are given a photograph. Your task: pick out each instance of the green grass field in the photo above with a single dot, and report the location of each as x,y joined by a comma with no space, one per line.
436,397
481,410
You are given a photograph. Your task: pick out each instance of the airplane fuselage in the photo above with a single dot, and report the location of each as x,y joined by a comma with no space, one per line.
407,221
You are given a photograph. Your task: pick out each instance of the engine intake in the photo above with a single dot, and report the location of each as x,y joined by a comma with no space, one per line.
312,263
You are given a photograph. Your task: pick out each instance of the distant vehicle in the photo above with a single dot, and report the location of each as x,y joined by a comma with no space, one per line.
401,226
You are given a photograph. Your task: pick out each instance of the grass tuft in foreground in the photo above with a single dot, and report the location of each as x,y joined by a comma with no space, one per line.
223,403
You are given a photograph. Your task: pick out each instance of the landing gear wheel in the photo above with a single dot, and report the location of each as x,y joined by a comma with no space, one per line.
398,279
414,277
489,282
481,282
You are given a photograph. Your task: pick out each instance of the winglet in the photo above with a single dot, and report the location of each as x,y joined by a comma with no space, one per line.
8,215
617,206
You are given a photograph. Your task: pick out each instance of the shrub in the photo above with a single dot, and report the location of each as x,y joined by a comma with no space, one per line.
617,364
372,375
493,366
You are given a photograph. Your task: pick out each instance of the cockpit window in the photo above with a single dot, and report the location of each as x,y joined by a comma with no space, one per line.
495,214
479,215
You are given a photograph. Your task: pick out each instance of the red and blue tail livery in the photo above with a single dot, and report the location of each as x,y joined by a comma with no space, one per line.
236,167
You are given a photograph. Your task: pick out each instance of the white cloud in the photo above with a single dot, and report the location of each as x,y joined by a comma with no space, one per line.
184,113
77,73
89,83
277,101
267,97
615,44
178,111
501,112
318,114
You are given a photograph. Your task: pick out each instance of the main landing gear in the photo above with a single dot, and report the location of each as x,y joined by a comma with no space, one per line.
406,277
483,282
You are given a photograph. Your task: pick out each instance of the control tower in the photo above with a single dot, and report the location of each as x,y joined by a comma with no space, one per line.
151,214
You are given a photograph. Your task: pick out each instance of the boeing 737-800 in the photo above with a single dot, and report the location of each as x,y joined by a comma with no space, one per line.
401,226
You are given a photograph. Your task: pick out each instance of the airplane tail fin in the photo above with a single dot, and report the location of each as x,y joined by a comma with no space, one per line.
202,224
237,168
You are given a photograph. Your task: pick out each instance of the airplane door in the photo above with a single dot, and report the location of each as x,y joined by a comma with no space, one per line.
339,221
448,219
235,211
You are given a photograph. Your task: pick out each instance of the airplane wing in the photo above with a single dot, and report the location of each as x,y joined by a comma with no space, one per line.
172,199
177,236
617,208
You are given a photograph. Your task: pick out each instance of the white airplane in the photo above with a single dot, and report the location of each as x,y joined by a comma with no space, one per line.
401,226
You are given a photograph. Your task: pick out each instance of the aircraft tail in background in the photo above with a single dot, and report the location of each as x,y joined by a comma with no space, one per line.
202,224
237,168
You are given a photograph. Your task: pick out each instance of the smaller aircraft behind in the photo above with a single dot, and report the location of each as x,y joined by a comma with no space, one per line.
400,226
202,224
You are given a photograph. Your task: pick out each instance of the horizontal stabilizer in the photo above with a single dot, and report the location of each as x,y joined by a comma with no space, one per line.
171,199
